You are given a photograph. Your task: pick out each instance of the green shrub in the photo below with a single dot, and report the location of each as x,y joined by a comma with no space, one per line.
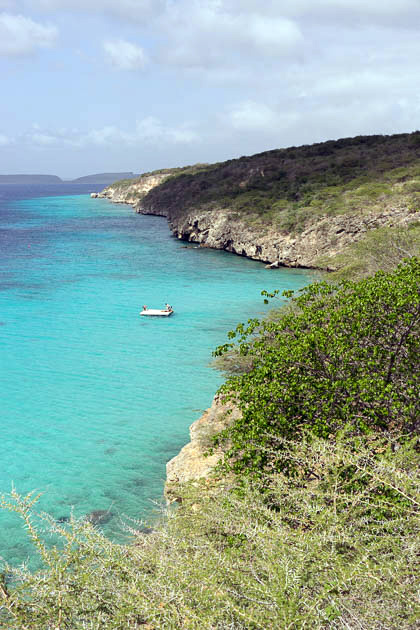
321,550
373,190
383,248
412,186
350,356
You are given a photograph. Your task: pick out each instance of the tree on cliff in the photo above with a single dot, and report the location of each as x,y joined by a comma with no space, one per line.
349,357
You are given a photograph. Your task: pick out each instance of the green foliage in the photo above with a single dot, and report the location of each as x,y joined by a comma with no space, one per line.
295,219
124,183
322,550
383,248
291,187
170,172
348,357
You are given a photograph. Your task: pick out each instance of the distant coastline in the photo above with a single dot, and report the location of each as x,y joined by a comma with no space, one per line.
97,178
30,179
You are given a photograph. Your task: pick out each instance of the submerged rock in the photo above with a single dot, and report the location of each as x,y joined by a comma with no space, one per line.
146,530
99,517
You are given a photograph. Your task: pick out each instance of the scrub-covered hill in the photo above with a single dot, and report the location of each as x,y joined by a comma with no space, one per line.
298,207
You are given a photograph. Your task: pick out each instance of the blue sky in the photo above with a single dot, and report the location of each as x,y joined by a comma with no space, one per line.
115,85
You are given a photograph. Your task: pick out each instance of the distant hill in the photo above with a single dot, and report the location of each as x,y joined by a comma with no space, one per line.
290,187
30,179
299,207
103,178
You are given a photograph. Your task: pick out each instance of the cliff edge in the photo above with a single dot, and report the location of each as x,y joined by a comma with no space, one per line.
133,190
315,247
192,463
295,207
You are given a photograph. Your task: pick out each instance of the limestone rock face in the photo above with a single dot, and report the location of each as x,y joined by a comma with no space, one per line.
320,240
132,193
191,464
324,238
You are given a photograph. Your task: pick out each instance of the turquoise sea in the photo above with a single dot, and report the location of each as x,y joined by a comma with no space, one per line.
95,399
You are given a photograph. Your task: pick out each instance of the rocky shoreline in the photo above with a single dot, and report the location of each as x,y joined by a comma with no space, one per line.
313,248
193,462
132,194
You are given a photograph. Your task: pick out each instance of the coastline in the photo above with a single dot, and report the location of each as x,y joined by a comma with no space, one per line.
193,461
315,247
98,312
218,229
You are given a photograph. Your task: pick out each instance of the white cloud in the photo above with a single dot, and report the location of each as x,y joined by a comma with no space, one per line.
272,36
147,131
21,36
205,34
152,130
124,55
4,140
281,73
378,7
107,135
43,139
250,115
137,10
330,9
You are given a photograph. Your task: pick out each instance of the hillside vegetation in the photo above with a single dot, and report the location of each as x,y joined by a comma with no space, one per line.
333,547
126,185
347,355
288,187
298,207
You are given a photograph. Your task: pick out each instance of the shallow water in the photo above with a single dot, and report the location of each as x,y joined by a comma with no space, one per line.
95,399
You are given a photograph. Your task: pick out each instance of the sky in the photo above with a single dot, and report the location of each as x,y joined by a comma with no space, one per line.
88,86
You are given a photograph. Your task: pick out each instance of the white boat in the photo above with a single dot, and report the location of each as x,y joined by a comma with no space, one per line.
156,312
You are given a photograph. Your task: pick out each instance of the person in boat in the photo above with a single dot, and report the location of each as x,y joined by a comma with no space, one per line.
168,307
144,308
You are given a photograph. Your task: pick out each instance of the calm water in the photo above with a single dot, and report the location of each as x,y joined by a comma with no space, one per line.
95,399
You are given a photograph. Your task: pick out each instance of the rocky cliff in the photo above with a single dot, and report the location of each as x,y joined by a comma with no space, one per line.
191,463
132,192
314,247
296,207
321,240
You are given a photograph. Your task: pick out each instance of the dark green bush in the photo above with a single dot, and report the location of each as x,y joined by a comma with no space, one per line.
297,174
348,357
